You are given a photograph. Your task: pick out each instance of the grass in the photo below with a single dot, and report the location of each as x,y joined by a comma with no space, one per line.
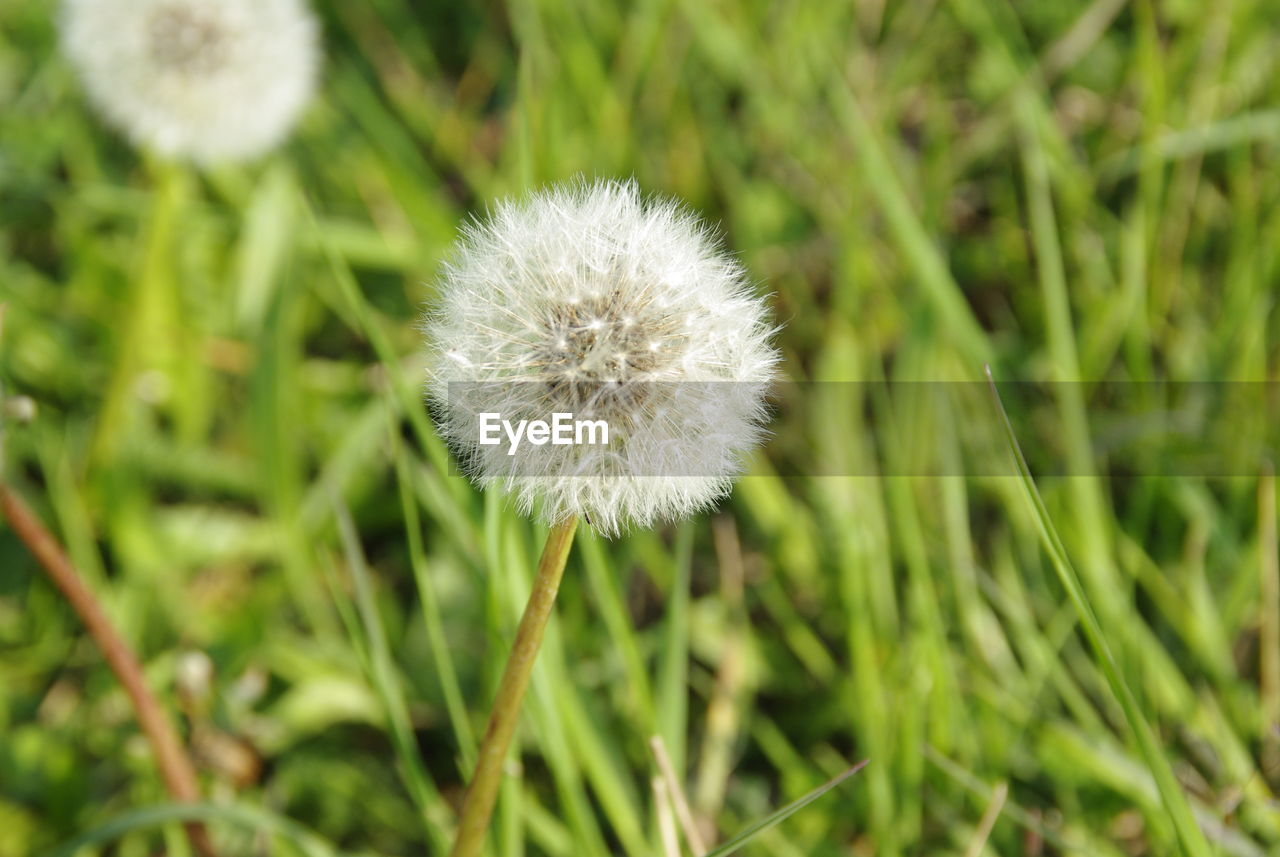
231,445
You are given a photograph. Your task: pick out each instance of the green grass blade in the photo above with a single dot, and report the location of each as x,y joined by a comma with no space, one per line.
407,393
783,814
431,616
1088,505
1190,837
939,286
673,665
613,611
246,817
1258,126
386,682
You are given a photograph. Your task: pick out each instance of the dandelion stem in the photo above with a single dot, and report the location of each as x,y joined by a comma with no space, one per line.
483,791
175,766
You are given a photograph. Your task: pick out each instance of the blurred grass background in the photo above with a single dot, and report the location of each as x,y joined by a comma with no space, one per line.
230,442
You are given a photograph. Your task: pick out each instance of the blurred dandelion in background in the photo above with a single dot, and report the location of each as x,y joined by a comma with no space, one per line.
192,80
589,299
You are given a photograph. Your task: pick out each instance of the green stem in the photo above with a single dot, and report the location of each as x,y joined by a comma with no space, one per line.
146,335
477,807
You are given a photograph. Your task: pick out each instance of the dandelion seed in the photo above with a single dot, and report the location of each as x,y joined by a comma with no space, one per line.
204,80
639,317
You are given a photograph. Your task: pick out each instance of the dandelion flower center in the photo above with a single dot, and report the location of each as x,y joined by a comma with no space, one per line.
594,356
186,38
603,339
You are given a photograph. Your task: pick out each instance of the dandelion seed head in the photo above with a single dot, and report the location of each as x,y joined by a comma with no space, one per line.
592,300
203,80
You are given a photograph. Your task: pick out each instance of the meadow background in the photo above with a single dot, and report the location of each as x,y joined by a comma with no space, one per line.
229,437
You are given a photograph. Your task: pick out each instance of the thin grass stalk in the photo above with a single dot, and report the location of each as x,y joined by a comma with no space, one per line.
1190,837
176,768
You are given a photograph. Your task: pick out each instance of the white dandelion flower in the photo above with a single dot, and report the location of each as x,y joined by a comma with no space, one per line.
590,301
204,80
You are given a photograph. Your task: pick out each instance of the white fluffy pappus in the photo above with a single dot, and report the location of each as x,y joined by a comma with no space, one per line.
592,300
202,80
